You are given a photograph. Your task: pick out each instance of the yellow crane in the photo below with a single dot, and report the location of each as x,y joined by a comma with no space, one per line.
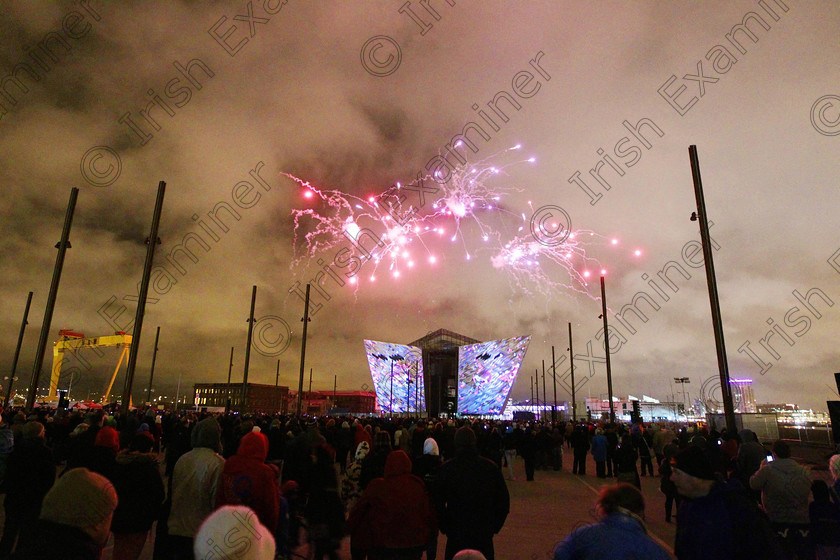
73,342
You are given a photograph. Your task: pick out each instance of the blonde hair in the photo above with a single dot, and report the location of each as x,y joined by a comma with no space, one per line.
834,466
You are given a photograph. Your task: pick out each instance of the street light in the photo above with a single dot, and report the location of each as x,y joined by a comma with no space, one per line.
393,358
682,381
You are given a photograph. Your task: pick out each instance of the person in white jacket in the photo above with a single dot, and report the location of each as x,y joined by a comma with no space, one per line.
194,485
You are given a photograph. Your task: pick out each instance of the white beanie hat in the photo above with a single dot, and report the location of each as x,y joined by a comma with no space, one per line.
82,499
233,532
430,447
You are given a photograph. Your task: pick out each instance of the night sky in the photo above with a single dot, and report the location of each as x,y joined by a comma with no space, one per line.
221,99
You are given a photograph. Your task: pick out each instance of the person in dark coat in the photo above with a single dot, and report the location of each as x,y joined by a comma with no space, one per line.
472,499
611,433
580,445
103,454
136,478
626,457
427,469
30,475
715,520
528,451
373,466
324,510
643,443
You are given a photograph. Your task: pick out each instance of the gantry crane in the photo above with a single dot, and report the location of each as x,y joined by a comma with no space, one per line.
73,341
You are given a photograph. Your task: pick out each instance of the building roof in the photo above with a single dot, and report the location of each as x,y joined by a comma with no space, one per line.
443,339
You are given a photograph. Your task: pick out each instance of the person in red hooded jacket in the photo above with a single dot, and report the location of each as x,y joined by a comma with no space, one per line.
394,515
247,480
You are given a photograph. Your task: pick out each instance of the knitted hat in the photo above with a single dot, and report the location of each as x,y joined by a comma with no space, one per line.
693,461
142,442
465,438
233,532
108,437
82,499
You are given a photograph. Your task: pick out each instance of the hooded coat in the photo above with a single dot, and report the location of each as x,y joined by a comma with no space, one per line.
195,480
394,513
246,480
140,492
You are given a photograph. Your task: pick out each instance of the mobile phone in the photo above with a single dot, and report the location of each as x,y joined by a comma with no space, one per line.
769,458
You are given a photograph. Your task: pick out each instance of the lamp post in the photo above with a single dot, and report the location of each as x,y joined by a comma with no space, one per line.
711,281
393,358
682,381
607,347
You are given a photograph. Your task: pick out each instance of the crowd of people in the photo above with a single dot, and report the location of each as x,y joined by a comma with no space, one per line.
217,486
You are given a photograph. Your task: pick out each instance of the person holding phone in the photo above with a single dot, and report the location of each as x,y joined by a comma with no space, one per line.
785,488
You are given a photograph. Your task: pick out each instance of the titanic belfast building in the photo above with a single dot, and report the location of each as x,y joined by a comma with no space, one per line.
445,373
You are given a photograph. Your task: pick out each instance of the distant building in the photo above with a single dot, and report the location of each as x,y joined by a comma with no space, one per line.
321,403
258,397
440,362
743,399
651,409
770,408
445,373
352,402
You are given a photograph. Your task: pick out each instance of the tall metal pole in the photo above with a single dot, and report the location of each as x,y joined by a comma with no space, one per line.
607,348
532,391
154,359
277,377
310,383
178,392
63,245
572,362
335,387
248,349
230,369
537,385
717,323
141,299
17,350
391,392
303,347
545,395
554,378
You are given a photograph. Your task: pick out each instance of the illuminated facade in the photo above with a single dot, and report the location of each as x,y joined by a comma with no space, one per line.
444,373
486,373
397,372
743,399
